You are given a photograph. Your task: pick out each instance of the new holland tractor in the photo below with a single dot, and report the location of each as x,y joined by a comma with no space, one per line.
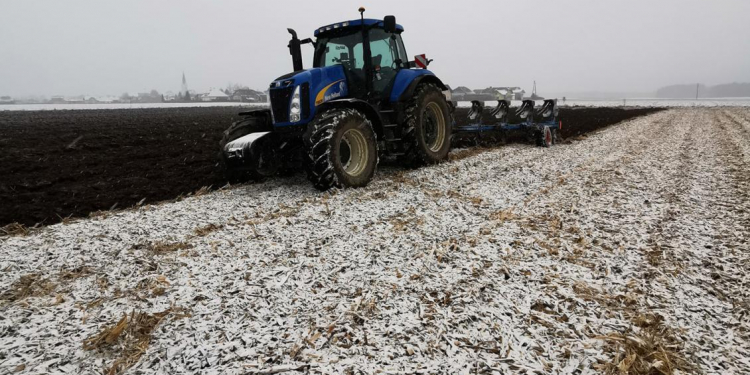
362,99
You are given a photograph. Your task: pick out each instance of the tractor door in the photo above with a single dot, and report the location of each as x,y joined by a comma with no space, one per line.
345,50
388,56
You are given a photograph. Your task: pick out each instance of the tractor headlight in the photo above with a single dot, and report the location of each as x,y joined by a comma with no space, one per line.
295,110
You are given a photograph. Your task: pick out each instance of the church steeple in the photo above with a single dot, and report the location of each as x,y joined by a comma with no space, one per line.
184,88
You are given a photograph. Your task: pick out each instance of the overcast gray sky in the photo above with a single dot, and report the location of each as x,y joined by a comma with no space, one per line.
99,47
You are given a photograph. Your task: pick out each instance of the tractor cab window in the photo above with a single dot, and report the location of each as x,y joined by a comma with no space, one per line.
402,51
387,59
345,50
387,49
336,54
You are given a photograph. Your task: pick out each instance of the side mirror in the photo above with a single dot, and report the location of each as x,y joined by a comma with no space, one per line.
389,24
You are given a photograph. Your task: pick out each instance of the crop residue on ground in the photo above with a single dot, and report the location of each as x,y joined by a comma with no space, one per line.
625,252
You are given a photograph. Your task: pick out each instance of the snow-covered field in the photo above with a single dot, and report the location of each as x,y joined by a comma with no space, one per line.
656,102
628,247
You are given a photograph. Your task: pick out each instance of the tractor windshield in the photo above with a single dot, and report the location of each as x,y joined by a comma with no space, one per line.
347,50
343,49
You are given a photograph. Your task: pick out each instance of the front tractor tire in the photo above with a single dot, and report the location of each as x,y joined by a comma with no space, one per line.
427,130
341,149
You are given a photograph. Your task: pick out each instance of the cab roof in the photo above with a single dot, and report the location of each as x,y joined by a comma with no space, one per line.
340,26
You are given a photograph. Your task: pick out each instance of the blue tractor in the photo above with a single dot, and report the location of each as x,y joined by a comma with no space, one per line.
362,100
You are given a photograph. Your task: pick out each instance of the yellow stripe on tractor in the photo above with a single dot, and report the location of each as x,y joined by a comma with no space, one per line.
320,98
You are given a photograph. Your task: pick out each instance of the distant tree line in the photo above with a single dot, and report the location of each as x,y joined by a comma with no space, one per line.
729,90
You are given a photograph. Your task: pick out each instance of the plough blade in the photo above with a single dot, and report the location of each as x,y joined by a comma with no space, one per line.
475,113
501,111
526,111
548,112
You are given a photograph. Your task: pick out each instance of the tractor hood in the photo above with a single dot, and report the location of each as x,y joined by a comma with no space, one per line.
314,87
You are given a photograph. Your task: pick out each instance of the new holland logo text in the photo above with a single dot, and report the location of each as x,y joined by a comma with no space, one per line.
332,95
330,92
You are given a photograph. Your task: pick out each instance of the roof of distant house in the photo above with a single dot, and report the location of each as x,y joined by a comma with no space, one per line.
216,93
246,92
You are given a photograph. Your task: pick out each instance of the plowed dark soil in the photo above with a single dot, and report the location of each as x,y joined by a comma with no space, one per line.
58,164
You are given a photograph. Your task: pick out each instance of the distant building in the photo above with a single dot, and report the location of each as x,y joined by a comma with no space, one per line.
6,100
57,99
459,93
90,100
248,96
215,95
108,99
169,96
463,93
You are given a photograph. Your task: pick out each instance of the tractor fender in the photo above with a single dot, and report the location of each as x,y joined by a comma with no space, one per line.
407,81
360,105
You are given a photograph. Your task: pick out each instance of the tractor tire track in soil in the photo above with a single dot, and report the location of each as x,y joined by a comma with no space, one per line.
58,164
518,259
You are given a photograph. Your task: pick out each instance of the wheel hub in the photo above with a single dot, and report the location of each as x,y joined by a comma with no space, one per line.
434,127
353,153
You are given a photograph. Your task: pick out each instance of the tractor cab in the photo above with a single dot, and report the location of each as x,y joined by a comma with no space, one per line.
370,51
363,60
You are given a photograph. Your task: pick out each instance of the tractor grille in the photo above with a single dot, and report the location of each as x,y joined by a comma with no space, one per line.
280,99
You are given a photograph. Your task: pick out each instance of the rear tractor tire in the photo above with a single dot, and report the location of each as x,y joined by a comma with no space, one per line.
261,167
427,131
341,149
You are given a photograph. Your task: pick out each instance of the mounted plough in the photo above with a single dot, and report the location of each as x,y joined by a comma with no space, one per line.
540,125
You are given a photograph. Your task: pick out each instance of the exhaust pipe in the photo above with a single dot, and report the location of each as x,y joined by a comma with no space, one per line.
295,50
